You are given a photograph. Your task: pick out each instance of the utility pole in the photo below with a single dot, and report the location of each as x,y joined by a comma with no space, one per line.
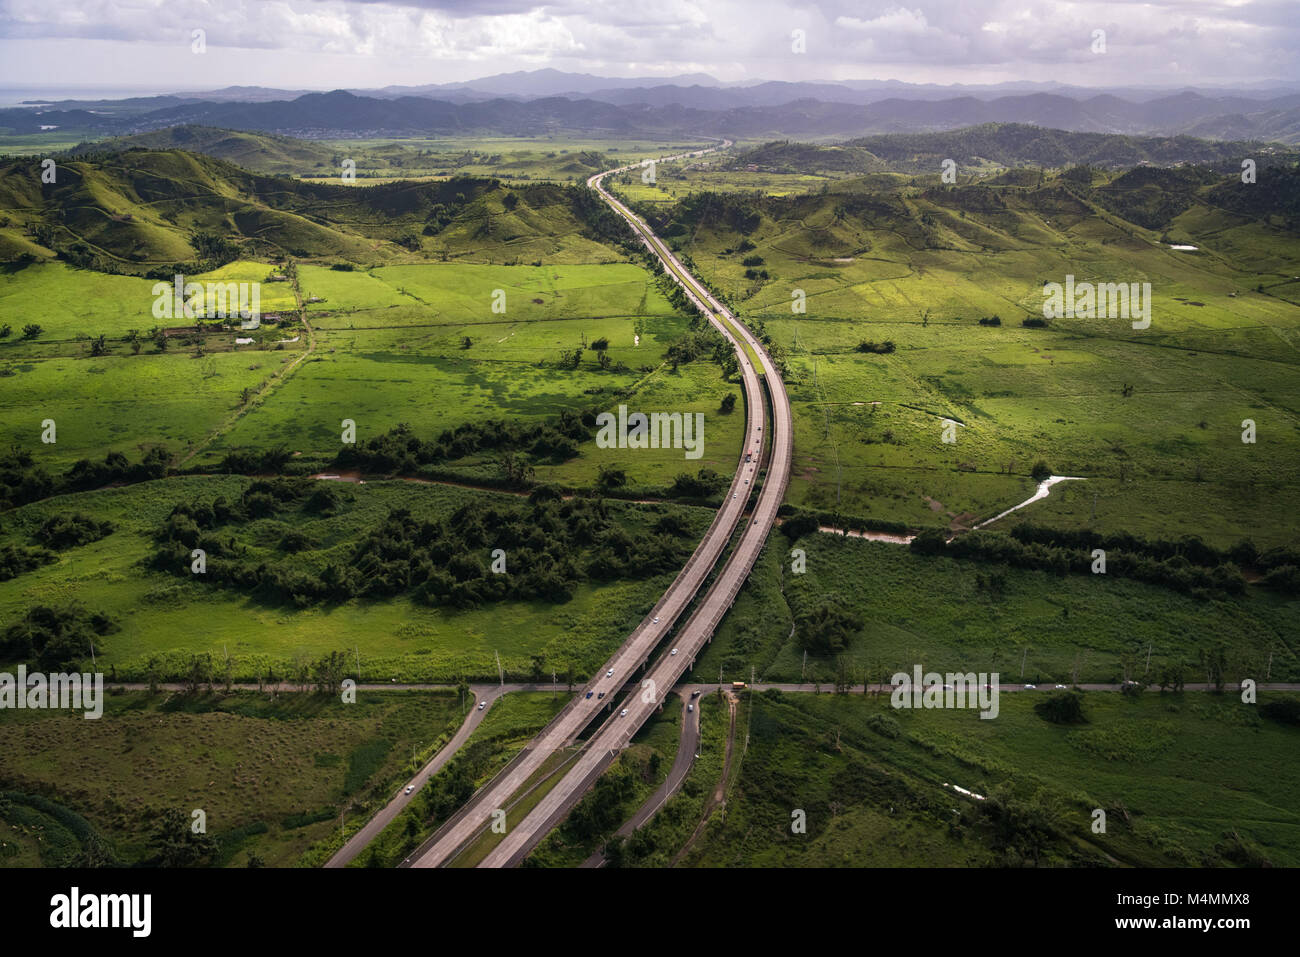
501,675
1094,507
358,651
1148,667
1022,661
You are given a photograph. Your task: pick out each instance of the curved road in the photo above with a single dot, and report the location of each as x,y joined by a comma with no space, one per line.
667,671
635,651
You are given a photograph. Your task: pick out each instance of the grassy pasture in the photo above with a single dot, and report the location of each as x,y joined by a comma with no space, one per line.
921,267
1174,773
271,774
932,611
171,617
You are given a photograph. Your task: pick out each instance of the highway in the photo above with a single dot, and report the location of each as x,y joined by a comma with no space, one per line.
644,699
635,651
357,843
688,746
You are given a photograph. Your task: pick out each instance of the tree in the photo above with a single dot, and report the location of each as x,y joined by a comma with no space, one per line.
32,330
728,403
175,844
1063,708
827,627
609,478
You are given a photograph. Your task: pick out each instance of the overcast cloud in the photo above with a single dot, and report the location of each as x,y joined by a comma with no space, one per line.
324,44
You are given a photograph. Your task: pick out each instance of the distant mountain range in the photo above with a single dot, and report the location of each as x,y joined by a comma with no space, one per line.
694,105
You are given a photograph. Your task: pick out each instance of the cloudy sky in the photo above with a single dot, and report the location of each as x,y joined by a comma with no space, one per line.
326,44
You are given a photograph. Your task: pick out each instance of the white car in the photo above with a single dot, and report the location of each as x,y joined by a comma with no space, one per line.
656,621
690,707
673,652
623,713
482,705
1031,687
1060,686
609,673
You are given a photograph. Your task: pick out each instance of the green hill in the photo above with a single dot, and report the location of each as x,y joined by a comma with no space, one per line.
146,211
1005,145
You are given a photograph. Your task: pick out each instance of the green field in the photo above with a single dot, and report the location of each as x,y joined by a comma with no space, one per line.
1185,780
932,611
271,773
1153,418
170,617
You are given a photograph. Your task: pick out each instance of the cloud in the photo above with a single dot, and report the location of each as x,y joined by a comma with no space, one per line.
939,40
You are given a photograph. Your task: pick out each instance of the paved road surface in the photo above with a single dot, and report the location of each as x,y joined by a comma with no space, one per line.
667,671
688,748
635,651
357,843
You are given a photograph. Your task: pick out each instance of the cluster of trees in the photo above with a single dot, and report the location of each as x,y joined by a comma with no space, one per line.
994,320
1175,572
702,343
15,559
57,638
23,481
827,626
67,531
550,546
400,451
880,348
703,484
1280,565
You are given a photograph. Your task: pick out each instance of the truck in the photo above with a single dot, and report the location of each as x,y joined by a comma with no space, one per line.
738,685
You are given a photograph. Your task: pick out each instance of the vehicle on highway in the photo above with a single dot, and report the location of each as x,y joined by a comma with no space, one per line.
695,694
609,673
690,707
1060,686
673,652
588,694
656,621
409,789
599,696
623,713
1031,687
738,684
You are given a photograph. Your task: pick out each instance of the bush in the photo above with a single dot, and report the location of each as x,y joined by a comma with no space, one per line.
1063,708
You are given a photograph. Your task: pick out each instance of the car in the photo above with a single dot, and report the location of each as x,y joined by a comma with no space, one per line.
746,481
656,621
482,705
1031,687
623,713
690,707
673,652
695,694
733,494
589,694
599,696
1060,686
609,673
409,789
